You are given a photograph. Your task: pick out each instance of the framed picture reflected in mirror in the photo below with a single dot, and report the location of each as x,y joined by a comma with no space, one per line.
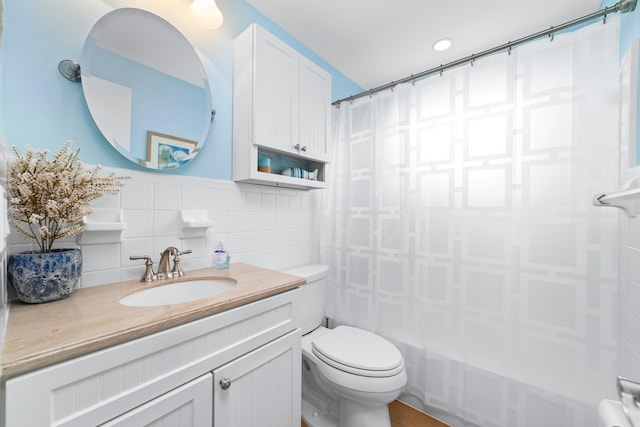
167,151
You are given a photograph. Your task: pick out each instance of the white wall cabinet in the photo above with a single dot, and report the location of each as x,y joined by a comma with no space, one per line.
167,378
281,109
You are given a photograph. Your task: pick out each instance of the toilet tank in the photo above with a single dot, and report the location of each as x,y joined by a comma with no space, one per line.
312,294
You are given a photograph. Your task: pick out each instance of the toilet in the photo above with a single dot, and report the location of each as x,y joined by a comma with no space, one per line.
349,375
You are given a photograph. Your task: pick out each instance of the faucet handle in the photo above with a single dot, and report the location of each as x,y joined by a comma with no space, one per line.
148,275
177,270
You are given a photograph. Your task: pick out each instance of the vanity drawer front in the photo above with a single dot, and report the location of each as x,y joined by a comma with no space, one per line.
100,386
187,406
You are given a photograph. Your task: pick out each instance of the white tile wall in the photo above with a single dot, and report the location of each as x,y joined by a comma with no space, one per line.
265,226
629,307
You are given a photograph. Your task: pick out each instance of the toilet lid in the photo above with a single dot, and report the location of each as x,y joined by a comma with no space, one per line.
358,352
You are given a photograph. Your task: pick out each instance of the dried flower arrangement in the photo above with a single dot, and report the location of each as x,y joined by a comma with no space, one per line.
49,197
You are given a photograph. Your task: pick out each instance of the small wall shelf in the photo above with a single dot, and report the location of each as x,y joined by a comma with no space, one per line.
194,223
628,200
102,226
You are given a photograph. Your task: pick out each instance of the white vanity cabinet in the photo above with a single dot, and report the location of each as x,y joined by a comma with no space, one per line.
173,377
281,108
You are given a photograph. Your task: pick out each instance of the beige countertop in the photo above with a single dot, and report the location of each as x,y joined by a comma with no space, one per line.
92,318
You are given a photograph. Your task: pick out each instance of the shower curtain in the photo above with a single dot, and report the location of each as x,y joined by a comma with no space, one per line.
458,224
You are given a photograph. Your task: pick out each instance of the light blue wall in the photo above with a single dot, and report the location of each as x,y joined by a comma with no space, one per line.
629,26
42,110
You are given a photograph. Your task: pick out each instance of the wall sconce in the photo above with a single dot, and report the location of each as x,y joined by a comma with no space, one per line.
207,13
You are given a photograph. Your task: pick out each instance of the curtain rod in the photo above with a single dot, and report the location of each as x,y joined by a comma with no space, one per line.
623,6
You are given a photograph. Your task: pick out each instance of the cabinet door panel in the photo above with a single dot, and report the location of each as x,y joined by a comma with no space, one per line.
315,114
275,92
263,386
187,406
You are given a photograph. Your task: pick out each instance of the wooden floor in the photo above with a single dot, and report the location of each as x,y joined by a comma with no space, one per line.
405,416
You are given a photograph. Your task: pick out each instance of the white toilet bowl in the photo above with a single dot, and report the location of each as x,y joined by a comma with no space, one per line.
349,375
365,372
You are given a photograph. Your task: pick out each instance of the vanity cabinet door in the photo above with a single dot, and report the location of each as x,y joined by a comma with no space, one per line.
187,406
261,388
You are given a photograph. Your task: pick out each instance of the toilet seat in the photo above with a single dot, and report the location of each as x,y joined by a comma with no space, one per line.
358,352
345,383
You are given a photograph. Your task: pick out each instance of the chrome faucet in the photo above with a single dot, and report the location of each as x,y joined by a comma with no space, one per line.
164,270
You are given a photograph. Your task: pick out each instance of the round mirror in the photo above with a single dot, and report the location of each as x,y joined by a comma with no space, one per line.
146,88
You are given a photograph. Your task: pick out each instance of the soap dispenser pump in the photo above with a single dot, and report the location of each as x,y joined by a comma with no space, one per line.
221,256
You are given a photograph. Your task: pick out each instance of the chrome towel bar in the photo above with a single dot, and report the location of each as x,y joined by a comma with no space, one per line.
628,200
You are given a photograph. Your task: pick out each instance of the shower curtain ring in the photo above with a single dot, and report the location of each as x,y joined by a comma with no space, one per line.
441,70
551,36
510,47
604,19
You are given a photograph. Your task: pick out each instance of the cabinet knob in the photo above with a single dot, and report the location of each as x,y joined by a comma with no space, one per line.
297,147
304,148
225,383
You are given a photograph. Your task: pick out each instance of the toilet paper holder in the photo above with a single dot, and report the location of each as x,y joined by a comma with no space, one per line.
629,393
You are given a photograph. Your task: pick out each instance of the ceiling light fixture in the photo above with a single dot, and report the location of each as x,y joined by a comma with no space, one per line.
207,13
442,44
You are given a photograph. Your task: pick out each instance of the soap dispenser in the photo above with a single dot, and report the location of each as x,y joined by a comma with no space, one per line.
221,256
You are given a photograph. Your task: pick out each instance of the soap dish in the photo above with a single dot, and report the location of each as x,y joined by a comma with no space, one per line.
102,226
194,223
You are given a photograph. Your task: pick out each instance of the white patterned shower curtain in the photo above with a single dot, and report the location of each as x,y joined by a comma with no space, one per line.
459,225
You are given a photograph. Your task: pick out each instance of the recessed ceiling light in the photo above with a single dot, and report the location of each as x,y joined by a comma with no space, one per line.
443,44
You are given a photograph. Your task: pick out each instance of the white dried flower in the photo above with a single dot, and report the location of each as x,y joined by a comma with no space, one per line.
49,197
34,218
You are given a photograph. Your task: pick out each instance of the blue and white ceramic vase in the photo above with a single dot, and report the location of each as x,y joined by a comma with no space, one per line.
43,277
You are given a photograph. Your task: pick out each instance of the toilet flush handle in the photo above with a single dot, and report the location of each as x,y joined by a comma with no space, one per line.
225,383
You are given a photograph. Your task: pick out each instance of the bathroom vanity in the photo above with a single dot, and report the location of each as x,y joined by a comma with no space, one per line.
228,360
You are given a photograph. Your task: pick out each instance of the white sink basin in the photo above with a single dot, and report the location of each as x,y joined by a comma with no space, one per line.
178,292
